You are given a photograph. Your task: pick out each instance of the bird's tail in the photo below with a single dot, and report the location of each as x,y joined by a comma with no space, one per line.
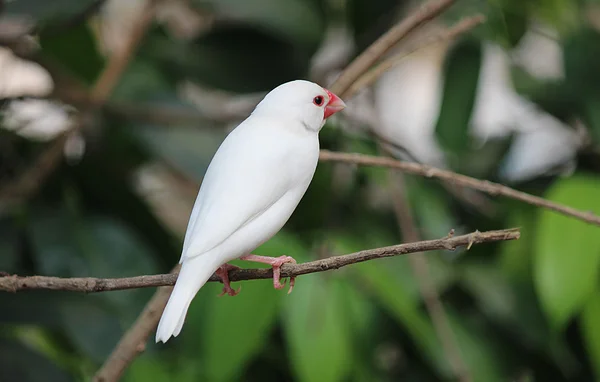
193,275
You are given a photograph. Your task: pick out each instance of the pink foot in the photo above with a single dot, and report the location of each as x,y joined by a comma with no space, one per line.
276,263
223,273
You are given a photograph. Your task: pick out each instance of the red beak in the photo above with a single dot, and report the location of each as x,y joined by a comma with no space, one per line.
334,105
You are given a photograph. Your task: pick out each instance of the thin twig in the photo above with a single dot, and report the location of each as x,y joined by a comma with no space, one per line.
420,269
366,59
473,199
488,187
368,78
91,285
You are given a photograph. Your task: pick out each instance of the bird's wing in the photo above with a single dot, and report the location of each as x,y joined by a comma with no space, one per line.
246,176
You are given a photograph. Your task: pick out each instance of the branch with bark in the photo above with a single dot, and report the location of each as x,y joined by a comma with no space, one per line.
93,285
491,188
385,43
370,77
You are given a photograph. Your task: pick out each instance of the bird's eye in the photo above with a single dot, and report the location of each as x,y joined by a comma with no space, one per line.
318,100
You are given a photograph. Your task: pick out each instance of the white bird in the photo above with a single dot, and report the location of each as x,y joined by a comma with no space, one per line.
251,187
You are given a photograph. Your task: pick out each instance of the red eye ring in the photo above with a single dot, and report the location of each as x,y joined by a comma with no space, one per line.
318,100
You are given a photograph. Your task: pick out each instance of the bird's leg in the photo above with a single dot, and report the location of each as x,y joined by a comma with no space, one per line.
223,273
276,263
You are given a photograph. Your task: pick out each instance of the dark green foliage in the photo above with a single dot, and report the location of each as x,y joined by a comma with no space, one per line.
524,310
462,73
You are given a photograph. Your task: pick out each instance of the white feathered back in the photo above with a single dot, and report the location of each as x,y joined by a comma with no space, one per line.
252,185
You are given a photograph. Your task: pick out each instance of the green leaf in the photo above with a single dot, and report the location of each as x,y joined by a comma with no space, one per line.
367,17
233,58
361,315
462,75
506,21
558,97
232,331
392,284
44,342
480,354
590,327
9,235
316,204
317,331
143,79
515,258
20,363
390,291
38,308
236,329
565,15
156,368
91,325
491,290
567,250
297,20
361,310
103,180
66,244
55,251
148,368
115,251
592,112
76,49
510,301
581,58
70,245
431,208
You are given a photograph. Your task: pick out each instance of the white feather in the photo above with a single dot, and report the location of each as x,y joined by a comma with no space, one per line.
241,181
252,185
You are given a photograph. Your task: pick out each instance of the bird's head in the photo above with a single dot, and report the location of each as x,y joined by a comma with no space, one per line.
303,101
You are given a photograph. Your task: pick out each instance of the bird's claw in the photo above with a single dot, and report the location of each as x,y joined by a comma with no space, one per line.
230,291
223,273
276,263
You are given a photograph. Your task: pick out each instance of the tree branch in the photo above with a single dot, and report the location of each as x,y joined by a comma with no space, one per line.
367,58
488,187
92,285
369,77
157,303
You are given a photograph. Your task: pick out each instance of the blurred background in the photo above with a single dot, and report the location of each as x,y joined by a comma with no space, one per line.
101,184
